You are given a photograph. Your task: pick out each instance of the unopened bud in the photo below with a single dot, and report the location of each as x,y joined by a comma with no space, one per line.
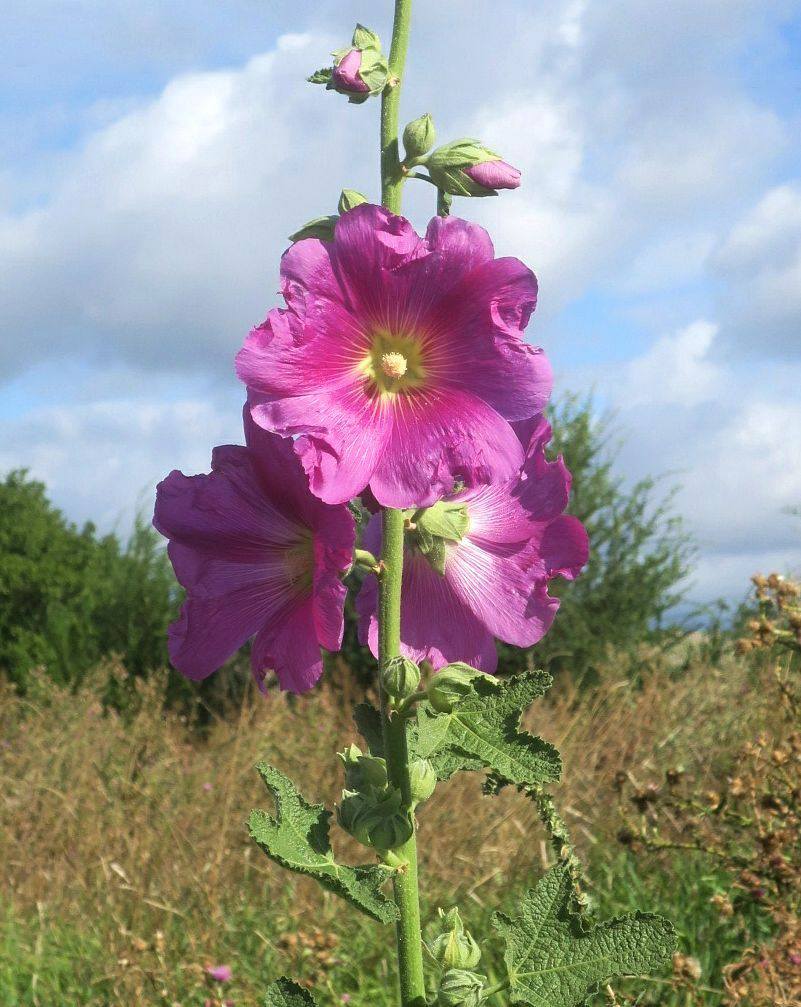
400,677
358,71
419,137
352,812
467,168
422,780
451,685
455,947
363,773
460,988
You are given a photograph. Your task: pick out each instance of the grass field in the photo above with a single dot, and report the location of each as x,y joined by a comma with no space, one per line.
128,871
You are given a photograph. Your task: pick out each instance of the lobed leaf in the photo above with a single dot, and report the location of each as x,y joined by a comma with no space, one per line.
553,960
483,732
297,838
286,993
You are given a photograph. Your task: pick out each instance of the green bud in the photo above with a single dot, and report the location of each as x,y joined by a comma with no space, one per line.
460,988
363,773
390,831
400,677
419,136
349,198
447,164
451,685
320,227
455,947
352,815
422,780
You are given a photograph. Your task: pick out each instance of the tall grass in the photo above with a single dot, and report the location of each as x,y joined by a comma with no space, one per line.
127,867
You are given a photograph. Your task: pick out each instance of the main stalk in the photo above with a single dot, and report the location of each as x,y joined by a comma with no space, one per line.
410,950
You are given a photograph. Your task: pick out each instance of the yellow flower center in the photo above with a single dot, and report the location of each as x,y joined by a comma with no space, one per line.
394,364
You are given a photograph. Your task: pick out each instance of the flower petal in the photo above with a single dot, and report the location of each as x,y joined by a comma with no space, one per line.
437,439
289,647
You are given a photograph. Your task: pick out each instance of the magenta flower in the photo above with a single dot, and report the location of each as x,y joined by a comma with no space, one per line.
398,359
495,579
219,973
494,175
345,75
258,555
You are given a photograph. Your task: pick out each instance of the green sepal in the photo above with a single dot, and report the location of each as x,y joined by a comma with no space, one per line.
321,76
286,993
349,198
482,732
363,38
554,960
368,723
374,71
319,227
460,988
444,520
297,838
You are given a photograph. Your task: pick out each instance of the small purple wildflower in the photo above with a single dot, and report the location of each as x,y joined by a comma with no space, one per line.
219,973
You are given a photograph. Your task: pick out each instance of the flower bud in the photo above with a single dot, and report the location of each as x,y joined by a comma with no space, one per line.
390,831
358,71
400,677
320,227
352,813
422,780
494,175
419,137
450,686
460,988
349,198
455,947
363,773
467,168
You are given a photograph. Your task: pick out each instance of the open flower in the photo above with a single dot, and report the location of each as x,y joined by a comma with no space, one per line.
398,359
485,575
260,556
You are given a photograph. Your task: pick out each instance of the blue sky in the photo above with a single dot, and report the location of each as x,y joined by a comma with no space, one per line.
153,156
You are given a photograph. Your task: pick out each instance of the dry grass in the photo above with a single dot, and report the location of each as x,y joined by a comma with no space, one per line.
132,833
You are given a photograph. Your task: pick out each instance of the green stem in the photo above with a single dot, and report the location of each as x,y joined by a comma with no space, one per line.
497,988
391,175
410,944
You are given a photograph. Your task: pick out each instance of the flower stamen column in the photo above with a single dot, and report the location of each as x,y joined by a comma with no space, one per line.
410,951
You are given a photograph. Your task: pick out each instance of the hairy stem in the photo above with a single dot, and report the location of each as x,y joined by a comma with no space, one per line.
410,945
391,175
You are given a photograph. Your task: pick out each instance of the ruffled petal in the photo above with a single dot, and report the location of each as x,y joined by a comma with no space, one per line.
440,438
289,647
210,630
333,555
435,624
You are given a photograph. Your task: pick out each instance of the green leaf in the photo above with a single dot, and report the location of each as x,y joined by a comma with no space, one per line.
553,961
482,732
322,76
297,838
363,38
319,227
368,724
285,993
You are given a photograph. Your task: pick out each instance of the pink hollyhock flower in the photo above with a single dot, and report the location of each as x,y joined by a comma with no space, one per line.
258,555
398,359
494,175
220,973
495,579
345,75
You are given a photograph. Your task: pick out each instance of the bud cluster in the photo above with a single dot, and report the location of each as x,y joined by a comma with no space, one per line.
359,71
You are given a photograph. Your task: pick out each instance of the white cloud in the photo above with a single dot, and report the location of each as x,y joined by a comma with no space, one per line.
760,260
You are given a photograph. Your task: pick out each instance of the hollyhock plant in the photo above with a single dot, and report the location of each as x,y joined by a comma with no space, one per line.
345,75
259,556
490,578
399,360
